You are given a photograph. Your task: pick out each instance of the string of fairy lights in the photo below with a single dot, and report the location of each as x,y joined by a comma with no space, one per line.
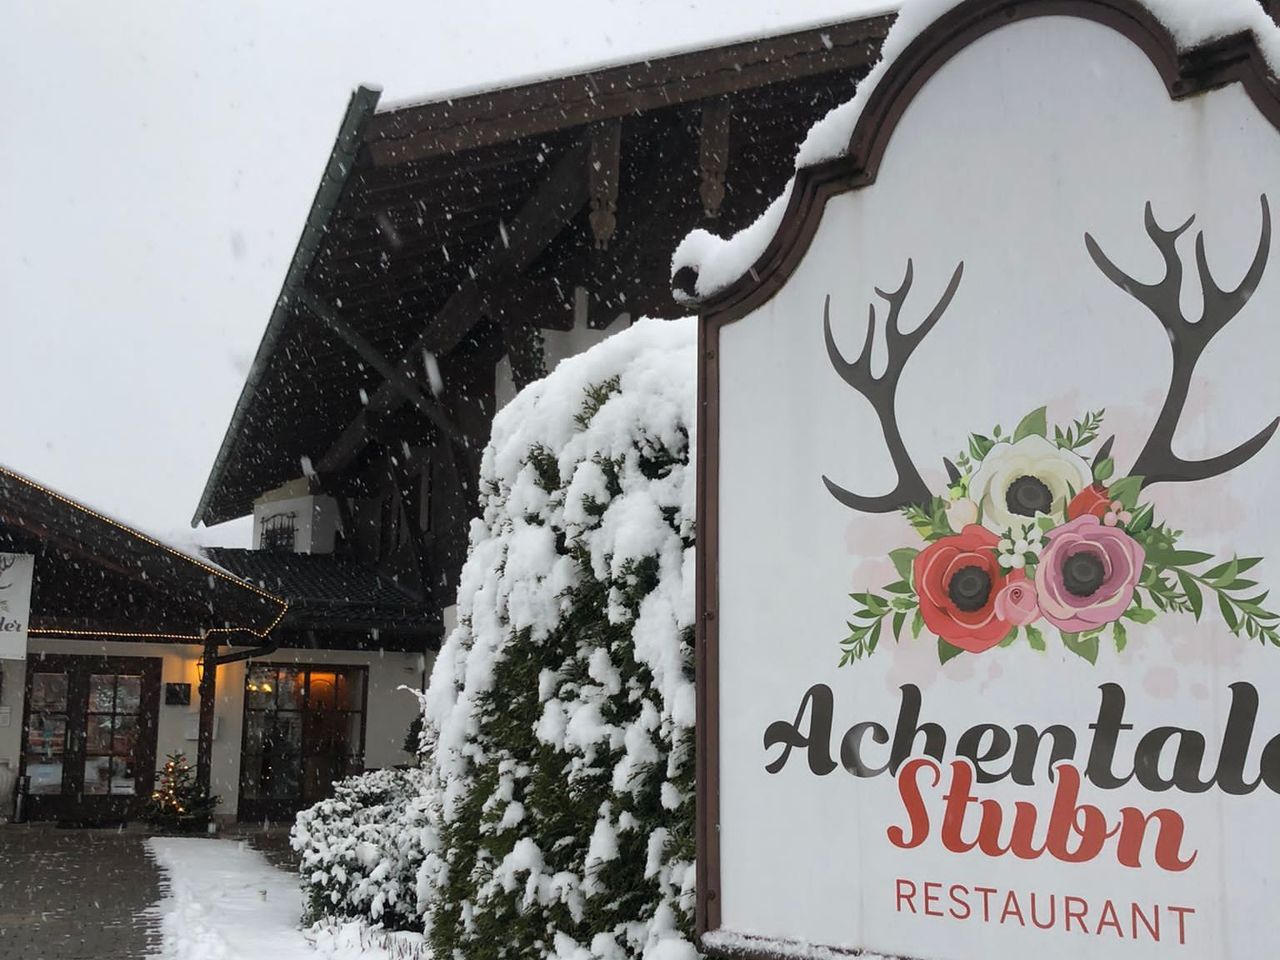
150,635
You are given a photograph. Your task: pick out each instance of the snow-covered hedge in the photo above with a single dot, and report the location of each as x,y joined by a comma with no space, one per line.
362,848
560,711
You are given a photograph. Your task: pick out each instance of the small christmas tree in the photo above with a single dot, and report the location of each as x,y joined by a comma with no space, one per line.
178,802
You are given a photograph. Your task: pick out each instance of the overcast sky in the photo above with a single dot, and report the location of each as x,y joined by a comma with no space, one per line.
157,161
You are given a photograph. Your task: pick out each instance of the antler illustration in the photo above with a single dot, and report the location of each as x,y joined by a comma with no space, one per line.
5,564
1157,462
882,391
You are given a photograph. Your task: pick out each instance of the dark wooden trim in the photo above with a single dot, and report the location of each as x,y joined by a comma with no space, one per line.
461,123
1186,73
208,692
707,650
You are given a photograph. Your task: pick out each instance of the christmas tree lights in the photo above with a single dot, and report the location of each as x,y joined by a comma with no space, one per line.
178,801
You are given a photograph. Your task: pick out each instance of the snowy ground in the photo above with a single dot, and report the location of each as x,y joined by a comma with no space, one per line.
223,901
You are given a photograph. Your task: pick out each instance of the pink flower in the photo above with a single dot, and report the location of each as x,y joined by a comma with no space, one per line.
1017,601
1087,574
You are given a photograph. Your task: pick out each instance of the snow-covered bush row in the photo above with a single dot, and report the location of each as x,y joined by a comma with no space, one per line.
362,848
559,718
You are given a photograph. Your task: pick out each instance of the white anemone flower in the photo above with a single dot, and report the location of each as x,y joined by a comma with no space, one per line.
1016,481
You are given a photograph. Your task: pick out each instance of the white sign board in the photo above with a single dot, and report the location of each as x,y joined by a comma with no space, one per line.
15,604
979,691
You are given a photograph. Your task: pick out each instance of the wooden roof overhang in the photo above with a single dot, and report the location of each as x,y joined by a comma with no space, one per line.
98,578
434,220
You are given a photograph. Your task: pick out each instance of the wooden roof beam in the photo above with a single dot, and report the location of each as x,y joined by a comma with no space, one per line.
392,376
457,123
541,219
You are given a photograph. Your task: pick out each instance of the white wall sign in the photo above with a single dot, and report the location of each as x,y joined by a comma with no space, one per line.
15,604
977,691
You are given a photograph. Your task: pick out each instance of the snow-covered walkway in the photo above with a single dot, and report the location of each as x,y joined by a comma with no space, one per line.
224,901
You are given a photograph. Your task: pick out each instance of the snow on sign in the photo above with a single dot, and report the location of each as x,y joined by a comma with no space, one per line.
990,651
15,604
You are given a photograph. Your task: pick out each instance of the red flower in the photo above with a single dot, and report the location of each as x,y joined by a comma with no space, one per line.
1093,500
957,579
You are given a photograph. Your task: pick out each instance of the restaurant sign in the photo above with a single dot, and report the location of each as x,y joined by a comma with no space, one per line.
15,604
989,659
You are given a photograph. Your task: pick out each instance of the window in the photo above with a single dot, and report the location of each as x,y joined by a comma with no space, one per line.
279,532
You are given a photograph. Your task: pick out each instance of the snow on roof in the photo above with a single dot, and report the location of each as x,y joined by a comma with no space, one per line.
719,261
857,10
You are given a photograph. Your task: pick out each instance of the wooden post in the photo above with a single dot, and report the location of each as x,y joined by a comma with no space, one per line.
603,162
208,690
713,154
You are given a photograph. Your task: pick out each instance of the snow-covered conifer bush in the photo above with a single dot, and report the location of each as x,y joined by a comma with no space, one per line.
362,848
560,712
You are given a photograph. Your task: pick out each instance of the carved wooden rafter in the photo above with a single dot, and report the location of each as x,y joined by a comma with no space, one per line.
603,162
713,154
610,283
408,390
540,220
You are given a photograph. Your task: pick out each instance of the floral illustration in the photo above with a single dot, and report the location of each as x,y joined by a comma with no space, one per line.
1034,536
1037,533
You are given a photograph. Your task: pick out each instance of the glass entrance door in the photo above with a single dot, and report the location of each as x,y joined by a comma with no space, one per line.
303,729
89,736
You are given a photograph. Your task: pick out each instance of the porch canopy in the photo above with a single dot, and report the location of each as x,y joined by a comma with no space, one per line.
96,577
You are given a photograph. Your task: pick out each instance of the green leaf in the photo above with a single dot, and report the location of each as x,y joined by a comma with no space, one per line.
1103,469
1242,564
1033,424
1236,586
1141,521
899,619
1120,634
946,651
875,636
1126,490
1011,636
1192,590
1082,646
917,624
902,559
1228,614
1045,522
1183,558
1035,638
979,446
1227,575
1140,614
899,587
